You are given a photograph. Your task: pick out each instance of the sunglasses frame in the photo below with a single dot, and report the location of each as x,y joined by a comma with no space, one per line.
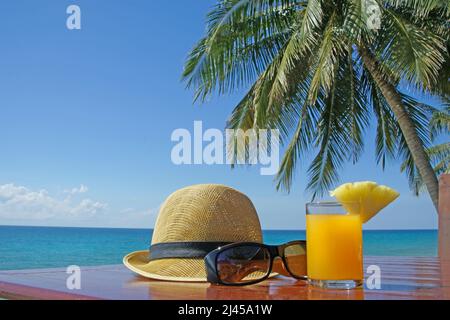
273,250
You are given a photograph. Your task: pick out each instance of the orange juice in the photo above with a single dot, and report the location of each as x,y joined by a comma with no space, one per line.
334,246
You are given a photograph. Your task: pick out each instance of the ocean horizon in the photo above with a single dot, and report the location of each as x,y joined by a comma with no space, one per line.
30,247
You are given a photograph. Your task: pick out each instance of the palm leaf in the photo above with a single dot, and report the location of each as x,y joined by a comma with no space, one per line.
340,129
414,54
440,122
243,36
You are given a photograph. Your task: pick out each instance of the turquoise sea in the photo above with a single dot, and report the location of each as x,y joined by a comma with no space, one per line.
46,247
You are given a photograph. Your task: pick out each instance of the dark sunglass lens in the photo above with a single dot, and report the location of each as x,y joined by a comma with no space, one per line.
295,256
243,264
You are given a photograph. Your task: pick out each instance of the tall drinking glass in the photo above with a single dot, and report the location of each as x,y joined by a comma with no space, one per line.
334,245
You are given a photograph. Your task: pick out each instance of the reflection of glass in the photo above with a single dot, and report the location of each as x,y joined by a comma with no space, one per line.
243,264
334,246
314,293
295,258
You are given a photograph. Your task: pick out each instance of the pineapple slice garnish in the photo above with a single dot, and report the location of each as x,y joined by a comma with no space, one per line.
369,197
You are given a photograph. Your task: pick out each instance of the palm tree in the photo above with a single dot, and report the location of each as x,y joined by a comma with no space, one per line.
439,154
318,71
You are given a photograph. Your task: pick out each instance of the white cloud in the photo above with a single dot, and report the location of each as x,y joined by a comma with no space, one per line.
20,203
81,189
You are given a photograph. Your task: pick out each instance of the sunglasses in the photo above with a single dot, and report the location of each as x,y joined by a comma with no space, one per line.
248,263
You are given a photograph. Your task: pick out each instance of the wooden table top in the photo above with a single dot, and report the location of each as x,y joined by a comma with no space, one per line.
401,278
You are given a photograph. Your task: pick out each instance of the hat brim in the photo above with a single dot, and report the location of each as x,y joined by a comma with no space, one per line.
176,269
191,270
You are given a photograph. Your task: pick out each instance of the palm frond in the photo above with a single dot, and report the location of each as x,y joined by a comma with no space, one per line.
421,8
326,58
242,37
358,104
340,129
414,54
440,122
312,16
355,25
257,111
306,79
440,158
420,114
387,129
302,138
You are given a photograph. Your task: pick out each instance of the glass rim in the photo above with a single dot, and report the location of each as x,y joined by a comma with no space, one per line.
329,203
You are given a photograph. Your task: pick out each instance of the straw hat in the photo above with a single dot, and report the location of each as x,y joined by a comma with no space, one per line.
200,213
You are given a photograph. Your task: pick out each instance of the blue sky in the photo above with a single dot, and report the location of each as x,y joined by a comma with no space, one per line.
87,117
